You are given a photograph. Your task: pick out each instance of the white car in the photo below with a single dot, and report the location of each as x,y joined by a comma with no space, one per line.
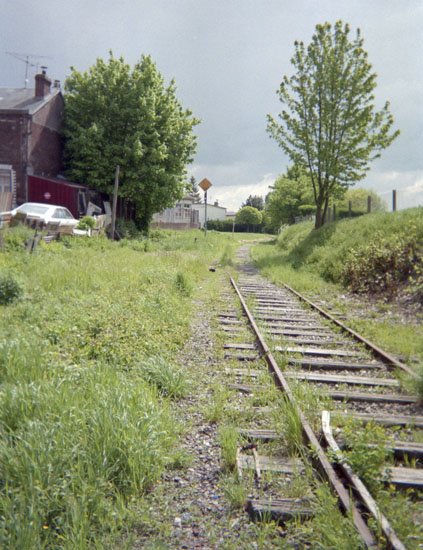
47,213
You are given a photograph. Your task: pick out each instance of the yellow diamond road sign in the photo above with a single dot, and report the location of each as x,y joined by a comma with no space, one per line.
205,184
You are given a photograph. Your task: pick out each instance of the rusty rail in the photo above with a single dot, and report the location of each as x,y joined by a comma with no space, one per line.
324,465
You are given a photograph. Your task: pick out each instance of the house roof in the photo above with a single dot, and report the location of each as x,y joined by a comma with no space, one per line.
23,100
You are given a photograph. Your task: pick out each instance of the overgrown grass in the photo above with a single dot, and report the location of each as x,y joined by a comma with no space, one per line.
334,250
381,252
86,378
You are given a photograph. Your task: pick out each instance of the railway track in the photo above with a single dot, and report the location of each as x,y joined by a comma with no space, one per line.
329,377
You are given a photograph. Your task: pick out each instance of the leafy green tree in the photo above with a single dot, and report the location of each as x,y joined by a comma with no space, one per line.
329,124
255,201
291,196
118,116
249,215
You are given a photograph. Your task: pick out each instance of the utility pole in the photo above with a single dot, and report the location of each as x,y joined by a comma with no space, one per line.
115,195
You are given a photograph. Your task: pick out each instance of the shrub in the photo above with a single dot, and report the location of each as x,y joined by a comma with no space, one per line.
14,238
86,222
10,289
127,229
382,264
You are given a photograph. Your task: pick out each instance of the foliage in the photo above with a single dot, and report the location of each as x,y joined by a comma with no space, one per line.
291,193
85,425
255,201
14,238
227,226
383,264
249,215
86,222
10,288
183,284
193,190
128,229
366,452
227,256
228,439
329,529
235,492
313,261
329,124
358,198
221,225
290,426
170,381
354,251
115,116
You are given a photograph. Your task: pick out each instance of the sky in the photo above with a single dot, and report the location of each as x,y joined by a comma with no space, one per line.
228,58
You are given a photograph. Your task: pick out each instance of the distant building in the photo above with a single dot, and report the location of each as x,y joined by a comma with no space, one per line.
230,215
187,214
180,216
30,142
214,212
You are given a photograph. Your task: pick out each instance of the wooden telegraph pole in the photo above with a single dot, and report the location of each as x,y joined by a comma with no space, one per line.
115,195
205,184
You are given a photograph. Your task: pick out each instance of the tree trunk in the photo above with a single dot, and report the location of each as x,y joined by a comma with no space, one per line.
319,217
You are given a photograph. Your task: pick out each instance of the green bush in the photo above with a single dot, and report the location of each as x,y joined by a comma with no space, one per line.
86,222
382,264
10,289
14,238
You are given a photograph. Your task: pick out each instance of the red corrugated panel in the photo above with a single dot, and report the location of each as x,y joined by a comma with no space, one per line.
54,191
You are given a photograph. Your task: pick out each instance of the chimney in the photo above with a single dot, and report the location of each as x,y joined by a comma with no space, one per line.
42,83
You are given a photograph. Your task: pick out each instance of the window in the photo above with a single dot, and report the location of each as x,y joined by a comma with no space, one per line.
6,179
29,208
62,213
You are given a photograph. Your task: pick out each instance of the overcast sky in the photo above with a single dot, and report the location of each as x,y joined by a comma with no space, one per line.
228,58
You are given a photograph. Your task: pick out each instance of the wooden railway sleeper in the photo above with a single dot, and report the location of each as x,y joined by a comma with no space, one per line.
326,467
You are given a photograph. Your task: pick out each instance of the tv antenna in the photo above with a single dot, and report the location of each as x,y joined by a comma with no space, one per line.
25,57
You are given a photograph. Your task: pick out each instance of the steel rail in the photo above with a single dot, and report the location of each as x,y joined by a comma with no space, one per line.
361,489
388,359
326,466
346,502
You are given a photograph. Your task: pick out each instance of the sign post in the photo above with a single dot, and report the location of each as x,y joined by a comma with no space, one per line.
205,184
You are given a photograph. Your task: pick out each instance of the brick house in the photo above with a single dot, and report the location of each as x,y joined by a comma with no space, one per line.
30,142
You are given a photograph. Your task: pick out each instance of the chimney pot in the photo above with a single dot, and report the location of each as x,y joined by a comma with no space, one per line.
42,83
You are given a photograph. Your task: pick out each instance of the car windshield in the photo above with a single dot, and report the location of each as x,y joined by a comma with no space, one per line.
33,208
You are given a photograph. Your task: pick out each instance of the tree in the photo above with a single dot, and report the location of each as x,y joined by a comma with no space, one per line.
249,215
329,124
118,116
193,190
291,196
254,201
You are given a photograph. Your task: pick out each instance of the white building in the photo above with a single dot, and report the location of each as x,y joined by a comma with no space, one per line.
180,216
187,214
214,212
